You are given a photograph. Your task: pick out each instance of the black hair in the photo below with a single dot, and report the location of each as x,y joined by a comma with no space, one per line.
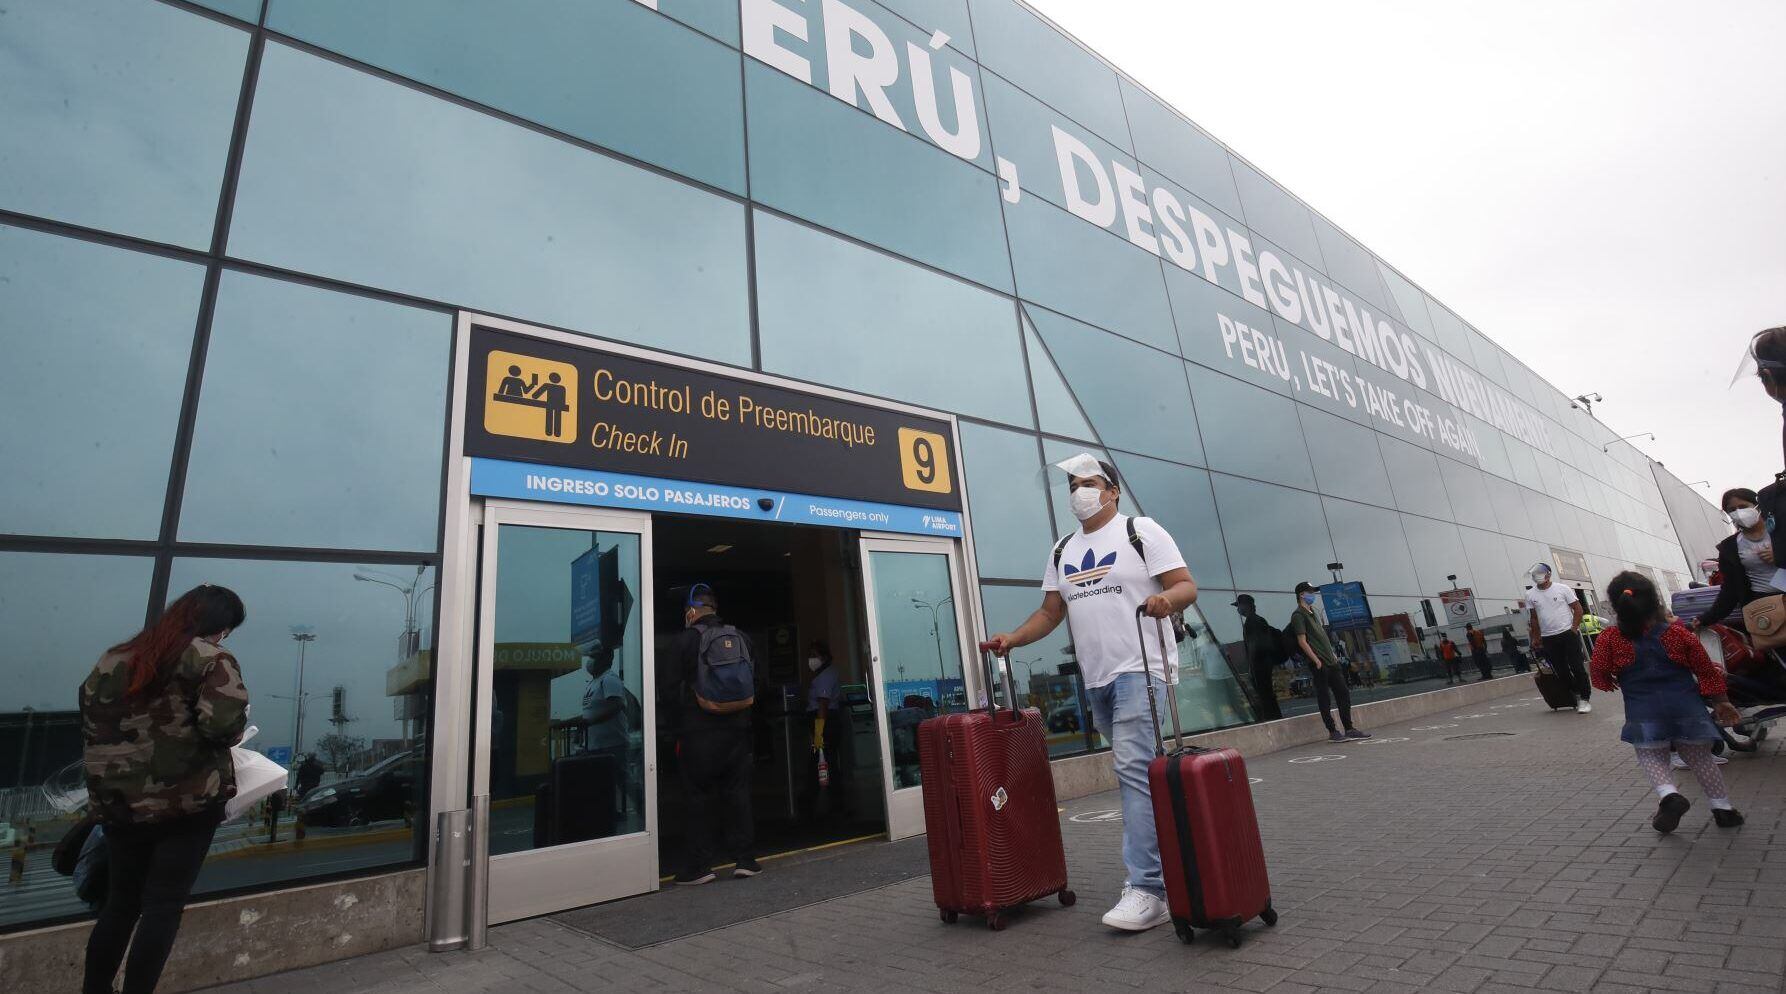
201,612
1108,472
821,649
1738,493
1635,601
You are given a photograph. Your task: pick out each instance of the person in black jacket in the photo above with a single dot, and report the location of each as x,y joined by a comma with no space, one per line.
1746,560
715,750
1767,354
1264,653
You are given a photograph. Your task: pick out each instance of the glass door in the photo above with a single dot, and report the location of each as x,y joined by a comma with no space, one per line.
565,720
916,646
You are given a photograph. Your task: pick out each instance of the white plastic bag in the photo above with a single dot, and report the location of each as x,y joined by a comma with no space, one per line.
257,777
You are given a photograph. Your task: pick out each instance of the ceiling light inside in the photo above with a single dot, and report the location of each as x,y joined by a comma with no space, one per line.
720,548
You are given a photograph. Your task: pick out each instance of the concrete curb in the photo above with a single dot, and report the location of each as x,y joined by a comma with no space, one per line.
1082,776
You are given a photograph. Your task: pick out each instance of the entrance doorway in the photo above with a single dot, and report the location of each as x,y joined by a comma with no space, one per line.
795,593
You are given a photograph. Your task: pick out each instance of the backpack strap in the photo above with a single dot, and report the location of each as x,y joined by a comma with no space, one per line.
1060,547
1135,540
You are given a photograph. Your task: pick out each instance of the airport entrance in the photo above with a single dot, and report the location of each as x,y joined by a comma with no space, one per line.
601,489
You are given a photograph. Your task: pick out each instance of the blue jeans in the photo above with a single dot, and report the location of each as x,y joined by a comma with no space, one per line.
1119,712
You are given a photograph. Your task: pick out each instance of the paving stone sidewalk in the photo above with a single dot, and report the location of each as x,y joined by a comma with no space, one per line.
1504,848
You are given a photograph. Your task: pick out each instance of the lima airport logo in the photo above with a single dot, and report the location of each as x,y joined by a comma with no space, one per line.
1090,571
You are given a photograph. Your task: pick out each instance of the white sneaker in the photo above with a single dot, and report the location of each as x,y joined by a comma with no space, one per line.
1677,762
1583,708
1137,911
1720,760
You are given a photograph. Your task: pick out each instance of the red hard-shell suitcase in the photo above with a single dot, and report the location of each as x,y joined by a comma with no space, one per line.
1211,856
989,811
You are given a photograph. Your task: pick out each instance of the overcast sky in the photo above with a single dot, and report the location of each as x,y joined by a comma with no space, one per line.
1600,187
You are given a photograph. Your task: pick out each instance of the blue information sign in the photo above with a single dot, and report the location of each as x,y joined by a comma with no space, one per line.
278,754
564,485
586,597
1348,609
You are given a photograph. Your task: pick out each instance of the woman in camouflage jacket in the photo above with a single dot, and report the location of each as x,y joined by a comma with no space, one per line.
158,715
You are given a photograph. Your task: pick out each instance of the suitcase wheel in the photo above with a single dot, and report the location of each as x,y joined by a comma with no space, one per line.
1183,928
996,921
1233,937
1068,898
1268,916
949,917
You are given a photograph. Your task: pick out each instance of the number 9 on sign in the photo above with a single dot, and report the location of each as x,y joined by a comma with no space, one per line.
924,462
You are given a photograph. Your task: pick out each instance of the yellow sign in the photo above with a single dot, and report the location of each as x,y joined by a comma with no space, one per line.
922,461
530,398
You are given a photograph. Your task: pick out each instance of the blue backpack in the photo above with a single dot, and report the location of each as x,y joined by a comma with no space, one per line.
725,677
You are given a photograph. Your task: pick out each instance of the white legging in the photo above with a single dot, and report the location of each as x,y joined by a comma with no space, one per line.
1653,757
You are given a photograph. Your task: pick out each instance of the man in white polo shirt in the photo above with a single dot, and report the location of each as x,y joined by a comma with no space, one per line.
1556,614
1095,579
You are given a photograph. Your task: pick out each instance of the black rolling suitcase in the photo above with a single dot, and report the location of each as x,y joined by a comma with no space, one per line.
578,801
1556,690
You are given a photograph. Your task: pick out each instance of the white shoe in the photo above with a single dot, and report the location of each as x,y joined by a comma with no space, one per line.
1677,762
1720,760
1583,708
1137,911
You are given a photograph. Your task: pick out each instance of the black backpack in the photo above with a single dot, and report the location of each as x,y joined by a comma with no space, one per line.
1179,631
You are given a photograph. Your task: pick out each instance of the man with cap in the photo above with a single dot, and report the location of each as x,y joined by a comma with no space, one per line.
1264,652
1329,679
1556,621
1097,578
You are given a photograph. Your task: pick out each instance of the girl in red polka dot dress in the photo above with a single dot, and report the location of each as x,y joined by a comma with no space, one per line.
1666,678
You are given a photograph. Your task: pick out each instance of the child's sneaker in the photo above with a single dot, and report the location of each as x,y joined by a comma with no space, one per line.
1727,817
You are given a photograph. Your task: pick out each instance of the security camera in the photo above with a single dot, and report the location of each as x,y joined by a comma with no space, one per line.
766,503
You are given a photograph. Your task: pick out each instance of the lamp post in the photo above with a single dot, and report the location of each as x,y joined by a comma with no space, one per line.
412,591
303,635
1586,402
935,626
1642,434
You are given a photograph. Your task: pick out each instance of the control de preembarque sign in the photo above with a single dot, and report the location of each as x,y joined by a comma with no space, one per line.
559,405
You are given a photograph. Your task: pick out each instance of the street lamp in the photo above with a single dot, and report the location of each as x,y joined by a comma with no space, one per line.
1702,483
935,626
1586,402
303,635
1642,434
412,592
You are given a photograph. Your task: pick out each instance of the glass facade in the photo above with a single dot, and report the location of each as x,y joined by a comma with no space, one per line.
232,337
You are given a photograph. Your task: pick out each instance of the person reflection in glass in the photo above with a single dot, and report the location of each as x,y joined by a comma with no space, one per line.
552,392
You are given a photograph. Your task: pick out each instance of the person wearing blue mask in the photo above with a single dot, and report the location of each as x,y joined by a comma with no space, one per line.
1329,679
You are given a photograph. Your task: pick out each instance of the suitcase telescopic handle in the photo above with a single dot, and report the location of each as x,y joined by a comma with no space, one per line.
1159,737
987,651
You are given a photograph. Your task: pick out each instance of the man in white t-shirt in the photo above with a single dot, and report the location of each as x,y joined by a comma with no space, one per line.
1096,578
603,714
1556,616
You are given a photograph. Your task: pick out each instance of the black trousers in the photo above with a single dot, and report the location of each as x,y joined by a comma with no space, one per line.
1563,652
150,872
716,764
1267,692
1454,669
1483,664
1330,686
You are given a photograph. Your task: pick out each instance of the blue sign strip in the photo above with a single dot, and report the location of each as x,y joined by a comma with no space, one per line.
1347,606
562,485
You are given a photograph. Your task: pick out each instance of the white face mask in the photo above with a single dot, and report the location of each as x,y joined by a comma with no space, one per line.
1541,577
1745,517
813,663
1086,503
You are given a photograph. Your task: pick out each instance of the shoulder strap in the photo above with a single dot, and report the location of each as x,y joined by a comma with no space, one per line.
1135,540
1060,547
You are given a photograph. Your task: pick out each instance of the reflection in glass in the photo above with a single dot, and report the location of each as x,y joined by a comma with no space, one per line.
338,661
358,469
1045,673
118,115
919,653
567,736
59,612
98,340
